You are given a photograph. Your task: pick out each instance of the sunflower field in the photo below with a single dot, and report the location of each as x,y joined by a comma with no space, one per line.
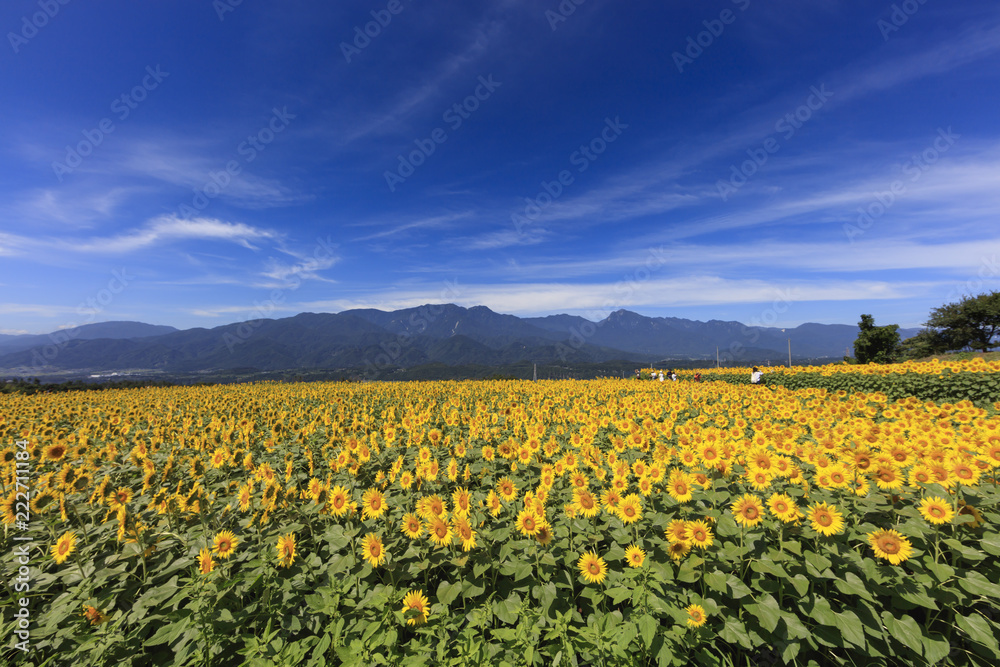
604,522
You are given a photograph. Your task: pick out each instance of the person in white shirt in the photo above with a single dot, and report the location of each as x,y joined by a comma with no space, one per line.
755,376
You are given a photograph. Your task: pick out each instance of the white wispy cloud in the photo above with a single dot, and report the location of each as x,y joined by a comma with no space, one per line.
427,90
605,297
166,229
438,221
37,309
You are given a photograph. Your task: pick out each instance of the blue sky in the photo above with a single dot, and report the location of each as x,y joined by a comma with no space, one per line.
195,163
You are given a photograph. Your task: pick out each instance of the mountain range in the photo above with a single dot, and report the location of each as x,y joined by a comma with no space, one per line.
375,341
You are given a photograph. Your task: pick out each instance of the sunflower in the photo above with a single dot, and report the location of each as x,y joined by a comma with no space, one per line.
783,507
225,544
635,556
696,615
888,477
507,489
462,501
286,549
969,510
7,506
890,545
54,452
677,550
759,458
528,522
372,549
245,495
839,476
405,479
432,506
43,502
412,527
373,504
760,480
826,519
920,474
611,499
94,615
63,547
66,477
677,531
679,487
748,510
592,567
340,500
205,562
493,503
936,510
585,503
965,473
940,473
700,534
630,509
440,532
415,608
122,496
544,535
464,532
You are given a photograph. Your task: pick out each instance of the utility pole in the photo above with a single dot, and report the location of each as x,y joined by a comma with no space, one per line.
716,356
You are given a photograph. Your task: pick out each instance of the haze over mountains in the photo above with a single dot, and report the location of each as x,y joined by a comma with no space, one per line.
371,339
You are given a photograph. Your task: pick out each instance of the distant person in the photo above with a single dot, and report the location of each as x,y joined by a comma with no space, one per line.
673,376
697,377
637,374
661,376
755,375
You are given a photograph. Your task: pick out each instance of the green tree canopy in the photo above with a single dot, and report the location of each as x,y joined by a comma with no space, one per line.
972,322
874,344
925,344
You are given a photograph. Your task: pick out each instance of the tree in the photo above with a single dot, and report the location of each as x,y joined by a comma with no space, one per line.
925,344
874,344
972,322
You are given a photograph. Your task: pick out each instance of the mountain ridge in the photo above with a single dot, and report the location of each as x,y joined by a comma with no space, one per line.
379,341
